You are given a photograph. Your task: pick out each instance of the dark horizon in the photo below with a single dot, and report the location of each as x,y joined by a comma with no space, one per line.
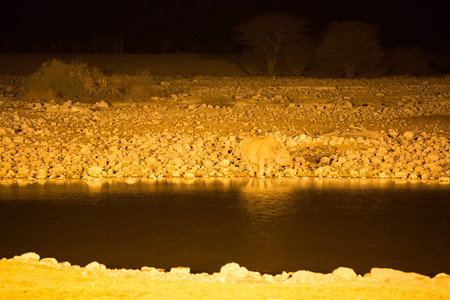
150,26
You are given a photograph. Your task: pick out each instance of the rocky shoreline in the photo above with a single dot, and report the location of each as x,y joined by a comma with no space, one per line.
28,276
234,273
396,128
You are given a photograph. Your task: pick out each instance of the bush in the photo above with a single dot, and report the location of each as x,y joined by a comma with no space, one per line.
408,61
138,87
56,80
349,49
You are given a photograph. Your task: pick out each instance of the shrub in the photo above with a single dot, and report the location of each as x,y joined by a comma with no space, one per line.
349,49
408,61
56,80
138,87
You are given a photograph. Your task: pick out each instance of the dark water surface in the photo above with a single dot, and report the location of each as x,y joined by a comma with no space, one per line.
265,225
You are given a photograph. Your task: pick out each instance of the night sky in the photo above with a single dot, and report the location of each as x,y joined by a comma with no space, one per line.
423,23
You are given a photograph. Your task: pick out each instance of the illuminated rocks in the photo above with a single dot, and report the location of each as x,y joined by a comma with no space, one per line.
41,174
391,274
344,272
233,272
180,271
175,138
95,171
408,135
95,266
101,104
307,277
29,256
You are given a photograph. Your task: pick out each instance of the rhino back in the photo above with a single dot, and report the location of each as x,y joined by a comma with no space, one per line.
257,148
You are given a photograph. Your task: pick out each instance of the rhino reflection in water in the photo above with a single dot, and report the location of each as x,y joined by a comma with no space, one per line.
260,151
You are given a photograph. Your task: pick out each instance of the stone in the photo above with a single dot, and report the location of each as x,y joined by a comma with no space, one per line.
49,261
225,163
309,277
95,171
41,173
30,256
401,174
408,135
180,271
291,143
94,266
344,272
189,175
18,140
389,274
23,172
102,104
234,271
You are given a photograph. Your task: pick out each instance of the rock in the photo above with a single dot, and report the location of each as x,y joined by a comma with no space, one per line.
344,272
308,277
95,171
408,135
130,180
101,104
94,266
30,256
18,140
41,173
23,172
291,143
234,272
393,133
442,275
383,175
6,141
189,175
49,261
180,271
402,175
390,274
225,163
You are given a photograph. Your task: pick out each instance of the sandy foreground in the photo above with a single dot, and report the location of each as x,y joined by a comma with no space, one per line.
29,277
387,128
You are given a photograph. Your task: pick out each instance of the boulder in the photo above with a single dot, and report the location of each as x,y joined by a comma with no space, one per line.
344,272
30,256
391,274
95,171
234,272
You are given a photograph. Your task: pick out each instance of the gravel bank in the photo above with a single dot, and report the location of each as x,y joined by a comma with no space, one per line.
381,128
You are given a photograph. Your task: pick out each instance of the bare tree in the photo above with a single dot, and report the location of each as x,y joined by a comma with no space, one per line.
349,48
270,34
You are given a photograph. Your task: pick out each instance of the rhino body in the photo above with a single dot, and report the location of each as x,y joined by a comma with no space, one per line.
260,151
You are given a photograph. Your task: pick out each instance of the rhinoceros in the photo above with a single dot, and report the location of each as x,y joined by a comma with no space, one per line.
260,151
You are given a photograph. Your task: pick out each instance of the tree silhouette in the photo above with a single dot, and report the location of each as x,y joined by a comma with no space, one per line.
349,49
270,34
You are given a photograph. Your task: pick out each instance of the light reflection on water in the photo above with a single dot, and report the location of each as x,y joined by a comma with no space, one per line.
265,225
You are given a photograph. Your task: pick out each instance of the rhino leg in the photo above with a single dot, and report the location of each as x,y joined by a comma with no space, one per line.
251,169
261,168
270,165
